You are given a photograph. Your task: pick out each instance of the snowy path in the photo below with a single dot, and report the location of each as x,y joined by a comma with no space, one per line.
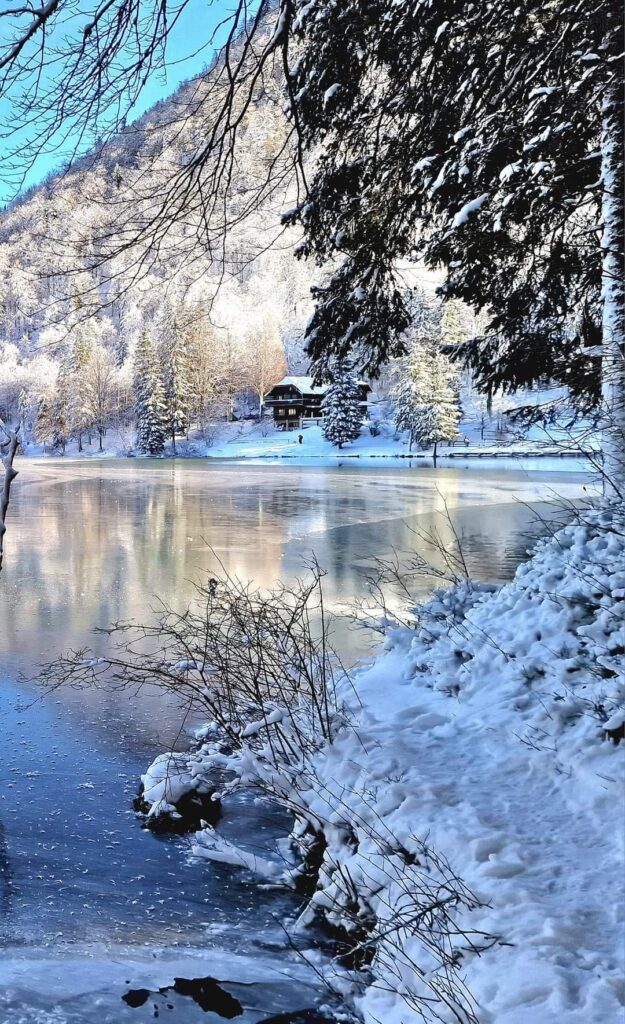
507,827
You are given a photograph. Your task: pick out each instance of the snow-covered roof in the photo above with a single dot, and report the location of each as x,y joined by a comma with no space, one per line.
303,384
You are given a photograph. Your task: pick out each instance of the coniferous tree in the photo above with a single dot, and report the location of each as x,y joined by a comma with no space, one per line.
61,407
149,398
426,398
176,383
43,419
23,407
342,415
81,355
457,323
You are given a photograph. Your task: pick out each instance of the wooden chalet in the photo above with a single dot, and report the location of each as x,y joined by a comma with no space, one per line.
296,402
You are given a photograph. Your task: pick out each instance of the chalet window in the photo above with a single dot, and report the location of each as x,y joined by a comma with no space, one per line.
292,412
280,412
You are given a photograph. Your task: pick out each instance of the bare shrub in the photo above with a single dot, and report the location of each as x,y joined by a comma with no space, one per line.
247,659
260,666
210,433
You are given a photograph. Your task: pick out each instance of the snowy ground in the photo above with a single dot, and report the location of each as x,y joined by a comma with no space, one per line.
487,746
248,439
285,444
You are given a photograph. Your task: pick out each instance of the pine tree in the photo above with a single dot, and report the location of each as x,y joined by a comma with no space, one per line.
43,419
149,398
61,407
457,323
426,398
342,415
176,381
81,355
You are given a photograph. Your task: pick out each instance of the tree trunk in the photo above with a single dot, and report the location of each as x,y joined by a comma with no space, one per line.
173,441
100,440
435,451
613,291
9,476
80,442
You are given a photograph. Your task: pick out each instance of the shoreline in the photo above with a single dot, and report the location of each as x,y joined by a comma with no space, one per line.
317,457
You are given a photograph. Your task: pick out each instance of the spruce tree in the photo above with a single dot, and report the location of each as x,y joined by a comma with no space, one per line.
61,410
426,398
342,415
176,381
149,398
457,324
81,355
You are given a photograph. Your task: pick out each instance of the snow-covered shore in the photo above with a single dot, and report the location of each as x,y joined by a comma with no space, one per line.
250,440
468,819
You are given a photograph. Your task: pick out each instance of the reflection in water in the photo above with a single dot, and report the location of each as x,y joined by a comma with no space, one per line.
93,543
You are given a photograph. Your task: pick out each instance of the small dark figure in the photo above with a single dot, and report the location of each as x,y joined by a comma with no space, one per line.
300,438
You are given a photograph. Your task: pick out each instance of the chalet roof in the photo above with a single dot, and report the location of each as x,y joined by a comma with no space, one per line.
305,385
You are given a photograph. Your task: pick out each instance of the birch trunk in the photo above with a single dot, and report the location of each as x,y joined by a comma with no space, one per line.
613,290
9,476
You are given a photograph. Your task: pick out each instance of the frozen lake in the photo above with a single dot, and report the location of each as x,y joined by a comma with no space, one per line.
90,904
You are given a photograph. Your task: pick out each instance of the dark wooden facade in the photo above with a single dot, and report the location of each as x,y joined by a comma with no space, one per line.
296,402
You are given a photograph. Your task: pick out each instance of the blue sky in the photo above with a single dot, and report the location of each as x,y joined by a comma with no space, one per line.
195,27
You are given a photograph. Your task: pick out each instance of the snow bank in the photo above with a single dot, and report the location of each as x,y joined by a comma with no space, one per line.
466,824
166,786
491,732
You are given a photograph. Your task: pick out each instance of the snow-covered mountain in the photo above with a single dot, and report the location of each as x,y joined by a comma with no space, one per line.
54,239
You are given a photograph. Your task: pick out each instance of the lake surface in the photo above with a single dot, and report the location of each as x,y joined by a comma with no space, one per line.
89,903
